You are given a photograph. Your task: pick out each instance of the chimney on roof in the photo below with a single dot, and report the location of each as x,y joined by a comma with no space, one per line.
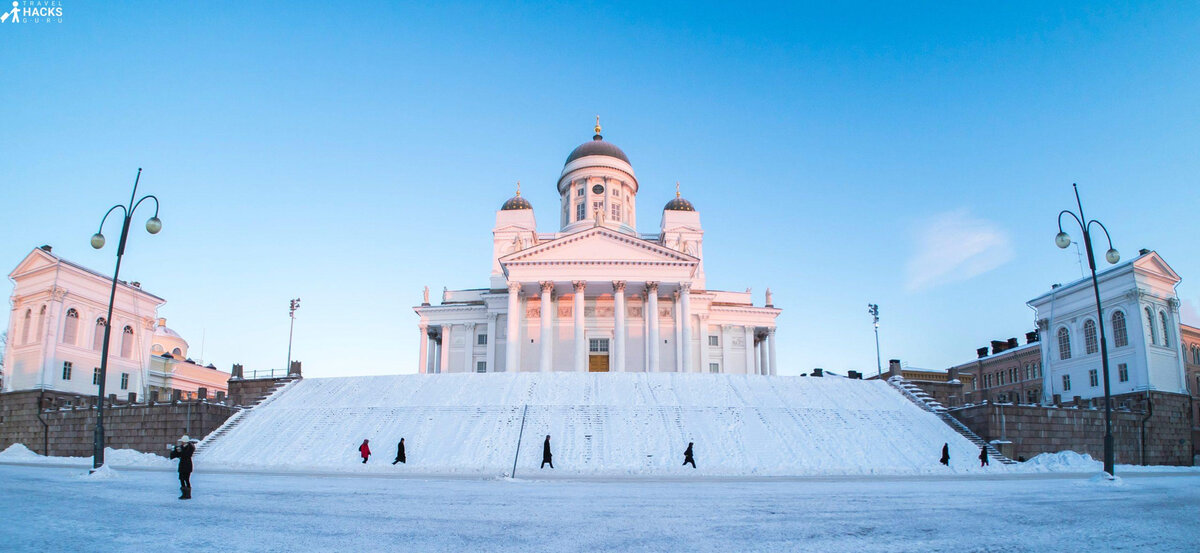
1031,337
162,321
894,367
46,248
981,352
998,346
1055,286
1142,251
135,284
1012,343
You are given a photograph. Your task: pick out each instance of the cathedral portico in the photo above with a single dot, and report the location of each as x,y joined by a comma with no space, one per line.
598,295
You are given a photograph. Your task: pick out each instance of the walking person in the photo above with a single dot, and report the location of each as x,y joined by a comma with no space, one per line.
400,453
946,454
687,456
546,453
364,450
184,454
983,456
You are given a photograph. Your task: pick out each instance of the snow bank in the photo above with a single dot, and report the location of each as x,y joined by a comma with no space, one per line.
18,453
1070,461
633,424
105,472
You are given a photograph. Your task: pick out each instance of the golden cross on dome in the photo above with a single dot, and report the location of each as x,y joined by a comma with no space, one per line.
597,124
676,189
518,188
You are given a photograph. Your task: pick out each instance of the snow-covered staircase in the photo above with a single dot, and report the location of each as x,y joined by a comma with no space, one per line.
236,418
601,424
918,396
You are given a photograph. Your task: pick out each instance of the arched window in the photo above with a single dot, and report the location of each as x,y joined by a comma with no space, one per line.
1153,335
41,324
127,342
71,328
98,337
176,352
156,349
1166,334
1089,336
1196,355
1120,335
1064,344
25,328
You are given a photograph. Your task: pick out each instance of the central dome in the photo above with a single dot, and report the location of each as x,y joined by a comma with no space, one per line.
597,147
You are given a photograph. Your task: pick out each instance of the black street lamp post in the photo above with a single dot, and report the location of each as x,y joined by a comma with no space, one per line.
153,225
1063,240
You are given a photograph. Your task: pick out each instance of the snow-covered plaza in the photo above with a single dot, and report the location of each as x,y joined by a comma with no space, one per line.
59,509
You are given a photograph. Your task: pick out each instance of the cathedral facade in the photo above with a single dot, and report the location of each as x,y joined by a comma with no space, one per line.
598,295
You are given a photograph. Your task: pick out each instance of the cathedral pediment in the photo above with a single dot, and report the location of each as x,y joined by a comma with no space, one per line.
36,259
599,246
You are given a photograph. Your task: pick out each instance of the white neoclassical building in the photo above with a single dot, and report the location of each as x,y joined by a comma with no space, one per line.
598,295
1141,328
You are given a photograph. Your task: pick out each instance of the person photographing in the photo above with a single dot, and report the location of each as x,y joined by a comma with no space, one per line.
183,450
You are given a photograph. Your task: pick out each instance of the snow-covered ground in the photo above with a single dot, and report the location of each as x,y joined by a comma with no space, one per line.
59,509
602,425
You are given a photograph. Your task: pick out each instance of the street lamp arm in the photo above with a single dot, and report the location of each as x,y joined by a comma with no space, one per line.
110,210
1073,216
1089,228
144,198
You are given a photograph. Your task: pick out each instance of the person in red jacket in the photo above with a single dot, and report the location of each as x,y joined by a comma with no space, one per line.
364,450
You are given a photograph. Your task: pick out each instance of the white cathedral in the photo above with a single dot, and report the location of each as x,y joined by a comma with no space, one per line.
578,299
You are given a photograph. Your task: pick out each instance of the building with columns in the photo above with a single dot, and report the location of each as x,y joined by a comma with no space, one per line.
598,295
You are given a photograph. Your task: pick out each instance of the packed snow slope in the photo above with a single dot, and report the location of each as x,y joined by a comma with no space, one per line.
601,424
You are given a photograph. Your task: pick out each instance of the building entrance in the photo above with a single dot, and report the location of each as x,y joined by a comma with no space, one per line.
598,355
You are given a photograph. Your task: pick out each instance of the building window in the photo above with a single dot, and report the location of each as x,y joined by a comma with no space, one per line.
1000,378
1028,371
177,352
714,340
1030,396
481,340
481,366
714,367
1012,375
579,209
598,206
579,191
598,345
1089,337
1153,335
66,370
1093,378
616,212
1123,372
124,381
1196,355
1066,382
1166,334
95,376
127,342
71,328
1120,335
41,325
1064,344
98,338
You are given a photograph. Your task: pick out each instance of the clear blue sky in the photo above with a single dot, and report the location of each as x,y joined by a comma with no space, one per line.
351,153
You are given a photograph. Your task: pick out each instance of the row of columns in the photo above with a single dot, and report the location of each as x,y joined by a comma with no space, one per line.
434,358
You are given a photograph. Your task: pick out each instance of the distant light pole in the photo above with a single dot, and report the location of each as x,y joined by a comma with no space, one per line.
1063,240
293,305
153,225
873,309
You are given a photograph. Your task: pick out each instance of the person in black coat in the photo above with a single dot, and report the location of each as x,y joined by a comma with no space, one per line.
983,456
184,454
946,454
546,453
687,456
400,452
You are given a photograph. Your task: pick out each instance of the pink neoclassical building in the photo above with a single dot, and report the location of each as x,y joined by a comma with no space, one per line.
597,295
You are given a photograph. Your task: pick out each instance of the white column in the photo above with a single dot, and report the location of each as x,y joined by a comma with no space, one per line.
679,366
444,367
652,312
581,350
512,345
423,364
771,355
750,350
469,348
546,360
685,306
619,326
645,331
703,330
764,363
726,336
490,356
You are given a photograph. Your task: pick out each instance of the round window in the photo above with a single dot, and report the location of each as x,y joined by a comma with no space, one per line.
598,189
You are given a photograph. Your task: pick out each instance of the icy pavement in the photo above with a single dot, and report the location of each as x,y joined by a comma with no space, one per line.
54,509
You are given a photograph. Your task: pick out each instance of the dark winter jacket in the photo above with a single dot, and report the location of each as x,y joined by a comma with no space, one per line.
364,450
983,456
946,454
184,454
546,451
687,455
400,452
